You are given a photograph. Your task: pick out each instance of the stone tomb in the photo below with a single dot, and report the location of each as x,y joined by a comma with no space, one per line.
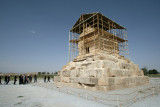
102,72
101,63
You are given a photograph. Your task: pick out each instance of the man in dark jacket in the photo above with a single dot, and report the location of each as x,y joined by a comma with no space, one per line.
19,79
0,80
35,78
15,79
8,79
45,78
48,78
5,79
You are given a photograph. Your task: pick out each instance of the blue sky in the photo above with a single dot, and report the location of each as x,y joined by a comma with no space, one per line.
34,33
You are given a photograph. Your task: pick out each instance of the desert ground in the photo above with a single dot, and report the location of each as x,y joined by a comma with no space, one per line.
42,94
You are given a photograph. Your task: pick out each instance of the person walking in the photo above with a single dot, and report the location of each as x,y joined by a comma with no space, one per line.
19,79
45,78
30,78
48,78
5,79
25,79
35,78
8,79
15,79
0,80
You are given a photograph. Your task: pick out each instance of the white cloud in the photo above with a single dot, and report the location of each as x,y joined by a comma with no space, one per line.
33,32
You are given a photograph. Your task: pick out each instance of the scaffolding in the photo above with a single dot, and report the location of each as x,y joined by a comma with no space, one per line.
93,34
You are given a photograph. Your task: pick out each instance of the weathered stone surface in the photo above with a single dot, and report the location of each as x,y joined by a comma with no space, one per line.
66,73
89,80
57,78
102,72
65,79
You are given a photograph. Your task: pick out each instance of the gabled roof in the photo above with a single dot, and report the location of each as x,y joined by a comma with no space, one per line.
87,17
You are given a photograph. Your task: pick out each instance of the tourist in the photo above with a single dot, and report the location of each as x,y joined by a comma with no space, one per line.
45,78
15,79
25,79
22,79
8,79
30,78
48,78
5,79
35,78
0,79
19,79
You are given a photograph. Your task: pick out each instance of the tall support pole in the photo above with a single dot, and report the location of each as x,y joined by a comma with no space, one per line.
80,46
126,45
72,48
102,33
69,47
94,37
113,39
98,33
83,41
109,48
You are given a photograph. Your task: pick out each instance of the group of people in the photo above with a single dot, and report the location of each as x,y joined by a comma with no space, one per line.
6,79
46,77
23,79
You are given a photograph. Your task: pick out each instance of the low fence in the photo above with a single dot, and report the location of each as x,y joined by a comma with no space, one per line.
117,100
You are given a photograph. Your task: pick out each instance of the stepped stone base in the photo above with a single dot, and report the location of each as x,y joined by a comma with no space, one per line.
103,84
101,72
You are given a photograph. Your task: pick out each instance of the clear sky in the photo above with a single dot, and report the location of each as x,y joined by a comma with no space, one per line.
34,33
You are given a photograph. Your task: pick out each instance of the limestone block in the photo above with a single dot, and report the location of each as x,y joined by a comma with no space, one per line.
109,64
65,79
128,80
139,80
82,73
57,78
74,80
123,65
74,73
140,73
128,73
114,72
142,80
91,73
66,73
97,72
104,64
91,80
98,57
70,66
89,59
90,65
112,81
102,72
109,81
146,79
